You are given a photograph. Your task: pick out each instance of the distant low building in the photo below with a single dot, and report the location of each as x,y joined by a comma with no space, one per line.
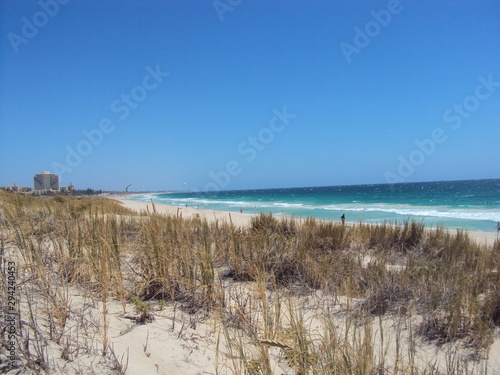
67,190
46,181
12,189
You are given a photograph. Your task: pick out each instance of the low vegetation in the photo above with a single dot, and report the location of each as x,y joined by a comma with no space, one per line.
433,286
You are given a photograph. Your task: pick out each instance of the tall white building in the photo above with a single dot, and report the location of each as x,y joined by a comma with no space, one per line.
46,180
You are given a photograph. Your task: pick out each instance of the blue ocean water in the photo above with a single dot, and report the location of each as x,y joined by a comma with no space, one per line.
471,205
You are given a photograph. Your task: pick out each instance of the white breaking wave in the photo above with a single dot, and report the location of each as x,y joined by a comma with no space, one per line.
285,205
144,198
470,214
198,201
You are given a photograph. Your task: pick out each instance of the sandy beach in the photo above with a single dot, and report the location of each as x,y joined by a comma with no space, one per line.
186,212
315,311
111,324
239,219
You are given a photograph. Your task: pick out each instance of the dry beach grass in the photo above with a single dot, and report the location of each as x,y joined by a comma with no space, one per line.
104,289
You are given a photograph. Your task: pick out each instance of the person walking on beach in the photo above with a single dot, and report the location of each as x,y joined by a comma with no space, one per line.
343,219
498,228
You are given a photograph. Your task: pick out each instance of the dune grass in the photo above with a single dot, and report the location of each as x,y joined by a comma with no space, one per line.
442,287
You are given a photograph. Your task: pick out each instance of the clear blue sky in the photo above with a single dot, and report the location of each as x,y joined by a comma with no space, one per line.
359,81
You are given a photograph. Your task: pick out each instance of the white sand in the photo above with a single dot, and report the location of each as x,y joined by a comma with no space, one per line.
186,212
484,237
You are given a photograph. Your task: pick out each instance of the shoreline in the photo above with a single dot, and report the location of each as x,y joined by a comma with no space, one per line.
243,219
238,219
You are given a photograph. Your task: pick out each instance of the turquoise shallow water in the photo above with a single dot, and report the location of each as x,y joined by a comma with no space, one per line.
472,205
